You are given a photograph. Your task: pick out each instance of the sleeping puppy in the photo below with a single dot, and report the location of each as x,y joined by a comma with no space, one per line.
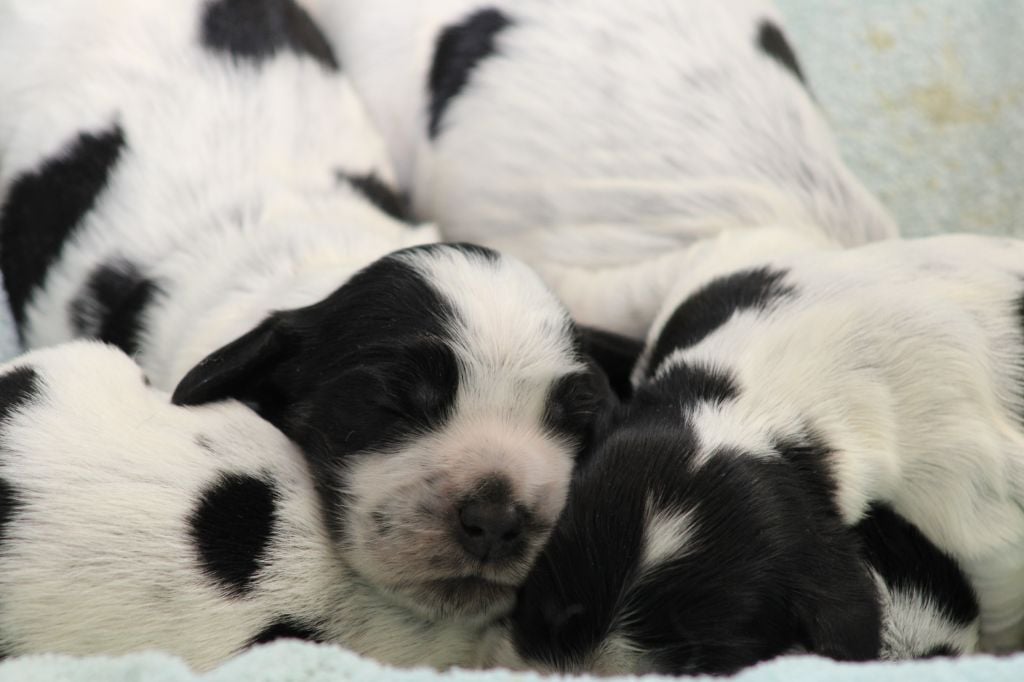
776,408
196,183
658,566
610,144
129,523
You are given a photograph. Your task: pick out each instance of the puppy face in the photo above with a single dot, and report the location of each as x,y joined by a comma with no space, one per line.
442,400
665,563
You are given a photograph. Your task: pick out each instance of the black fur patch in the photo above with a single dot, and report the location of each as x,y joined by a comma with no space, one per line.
44,207
9,505
574,407
258,29
909,562
287,628
685,385
112,304
941,650
460,48
771,567
712,305
231,527
614,354
17,388
378,193
773,43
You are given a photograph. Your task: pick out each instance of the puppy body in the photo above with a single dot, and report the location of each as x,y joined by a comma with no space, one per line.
611,145
130,524
776,407
199,180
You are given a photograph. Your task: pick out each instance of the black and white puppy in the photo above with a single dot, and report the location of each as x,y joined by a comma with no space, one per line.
610,144
197,180
661,566
128,523
776,408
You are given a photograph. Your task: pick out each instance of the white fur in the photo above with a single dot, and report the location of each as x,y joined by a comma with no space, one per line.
609,144
906,358
98,558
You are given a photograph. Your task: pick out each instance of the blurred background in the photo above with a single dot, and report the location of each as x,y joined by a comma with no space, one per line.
927,101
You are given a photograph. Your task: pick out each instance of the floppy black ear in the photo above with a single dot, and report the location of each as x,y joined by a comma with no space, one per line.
241,370
842,618
615,354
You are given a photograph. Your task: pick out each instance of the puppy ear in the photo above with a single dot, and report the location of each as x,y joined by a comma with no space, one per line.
614,354
841,618
239,370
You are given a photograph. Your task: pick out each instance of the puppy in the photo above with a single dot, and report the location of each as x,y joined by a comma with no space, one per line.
196,183
129,523
657,568
611,145
776,408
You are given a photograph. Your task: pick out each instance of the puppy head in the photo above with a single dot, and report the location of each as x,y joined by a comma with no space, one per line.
442,399
663,563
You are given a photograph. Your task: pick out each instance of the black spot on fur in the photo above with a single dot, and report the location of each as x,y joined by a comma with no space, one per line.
940,650
44,207
9,505
773,43
112,304
460,48
378,193
713,305
287,628
17,388
232,526
772,566
686,384
909,562
258,29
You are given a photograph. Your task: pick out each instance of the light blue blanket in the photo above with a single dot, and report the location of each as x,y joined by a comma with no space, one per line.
927,99
292,661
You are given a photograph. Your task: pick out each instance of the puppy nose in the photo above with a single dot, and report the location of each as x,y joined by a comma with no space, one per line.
490,530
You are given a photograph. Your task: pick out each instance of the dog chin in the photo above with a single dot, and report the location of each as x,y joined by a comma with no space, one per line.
463,598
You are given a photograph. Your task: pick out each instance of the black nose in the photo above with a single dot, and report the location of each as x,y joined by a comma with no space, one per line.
490,530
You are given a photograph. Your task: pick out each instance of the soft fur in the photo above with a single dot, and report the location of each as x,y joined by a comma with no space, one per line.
610,144
128,523
776,408
196,183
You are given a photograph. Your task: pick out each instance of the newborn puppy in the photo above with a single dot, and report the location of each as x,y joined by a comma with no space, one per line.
662,565
196,183
776,408
610,144
129,523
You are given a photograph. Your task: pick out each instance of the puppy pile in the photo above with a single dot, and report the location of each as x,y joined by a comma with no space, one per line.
356,434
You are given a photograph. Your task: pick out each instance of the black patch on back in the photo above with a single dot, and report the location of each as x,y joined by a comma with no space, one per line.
258,29
44,207
771,566
17,388
460,48
112,303
685,385
378,193
287,628
713,305
772,41
909,562
231,527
